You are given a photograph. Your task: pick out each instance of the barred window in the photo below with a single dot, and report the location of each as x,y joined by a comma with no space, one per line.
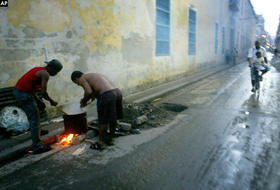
162,27
192,31
216,37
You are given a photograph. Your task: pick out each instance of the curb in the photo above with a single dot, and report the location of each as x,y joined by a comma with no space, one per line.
9,154
167,88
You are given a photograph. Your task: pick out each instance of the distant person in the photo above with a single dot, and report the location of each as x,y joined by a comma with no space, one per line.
234,55
228,56
252,58
24,92
109,103
276,52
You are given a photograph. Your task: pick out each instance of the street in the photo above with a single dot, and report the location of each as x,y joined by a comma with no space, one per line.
227,139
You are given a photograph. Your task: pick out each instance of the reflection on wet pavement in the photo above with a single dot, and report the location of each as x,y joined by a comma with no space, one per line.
247,153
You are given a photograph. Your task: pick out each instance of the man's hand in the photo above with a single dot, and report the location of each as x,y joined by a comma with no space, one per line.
53,103
83,103
92,99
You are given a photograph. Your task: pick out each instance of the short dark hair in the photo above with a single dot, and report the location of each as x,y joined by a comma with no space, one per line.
75,75
258,53
257,42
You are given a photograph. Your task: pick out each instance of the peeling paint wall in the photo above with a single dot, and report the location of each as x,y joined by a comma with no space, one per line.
113,37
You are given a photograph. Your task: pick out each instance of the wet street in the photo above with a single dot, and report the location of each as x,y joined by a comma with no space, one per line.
227,139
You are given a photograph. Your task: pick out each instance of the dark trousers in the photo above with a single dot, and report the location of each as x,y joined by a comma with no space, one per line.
265,70
29,106
254,73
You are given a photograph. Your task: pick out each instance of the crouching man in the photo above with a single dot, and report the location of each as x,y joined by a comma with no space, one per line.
24,92
109,103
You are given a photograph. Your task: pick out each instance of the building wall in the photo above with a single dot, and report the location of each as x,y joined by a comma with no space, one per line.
246,20
277,37
113,37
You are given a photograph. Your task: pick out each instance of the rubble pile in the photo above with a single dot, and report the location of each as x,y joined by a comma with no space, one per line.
142,116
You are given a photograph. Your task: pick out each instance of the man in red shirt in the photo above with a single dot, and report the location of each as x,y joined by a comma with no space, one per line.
24,92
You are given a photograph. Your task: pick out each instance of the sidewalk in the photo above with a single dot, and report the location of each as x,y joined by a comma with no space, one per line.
11,148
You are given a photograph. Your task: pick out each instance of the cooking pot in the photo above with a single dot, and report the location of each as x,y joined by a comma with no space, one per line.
76,123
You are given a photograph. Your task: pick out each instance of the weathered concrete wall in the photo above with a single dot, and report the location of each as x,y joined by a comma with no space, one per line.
113,37
246,28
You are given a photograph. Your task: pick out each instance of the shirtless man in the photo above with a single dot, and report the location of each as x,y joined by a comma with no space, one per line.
109,103
24,92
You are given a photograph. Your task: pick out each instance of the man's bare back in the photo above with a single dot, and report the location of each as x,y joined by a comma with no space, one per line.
99,83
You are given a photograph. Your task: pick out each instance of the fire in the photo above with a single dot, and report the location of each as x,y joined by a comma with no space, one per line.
67,139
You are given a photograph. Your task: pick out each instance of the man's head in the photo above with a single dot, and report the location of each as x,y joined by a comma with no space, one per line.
257,44
259,54
53,67
75,76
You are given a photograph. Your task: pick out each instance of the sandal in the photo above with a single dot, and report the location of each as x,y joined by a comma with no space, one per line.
97,146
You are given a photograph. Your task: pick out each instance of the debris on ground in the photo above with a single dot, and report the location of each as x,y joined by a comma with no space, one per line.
135,131
78,139
91,134
144,116
141,119
124,126
140,116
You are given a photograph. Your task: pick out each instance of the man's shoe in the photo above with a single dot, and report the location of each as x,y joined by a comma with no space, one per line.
41,149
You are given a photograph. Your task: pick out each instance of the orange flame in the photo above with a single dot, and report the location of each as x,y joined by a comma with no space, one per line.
67,139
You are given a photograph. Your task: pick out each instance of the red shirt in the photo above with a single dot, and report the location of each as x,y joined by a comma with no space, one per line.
28,82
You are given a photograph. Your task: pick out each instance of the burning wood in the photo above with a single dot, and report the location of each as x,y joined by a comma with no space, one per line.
66,139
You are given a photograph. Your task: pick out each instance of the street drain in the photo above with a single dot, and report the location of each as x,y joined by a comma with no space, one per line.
173,107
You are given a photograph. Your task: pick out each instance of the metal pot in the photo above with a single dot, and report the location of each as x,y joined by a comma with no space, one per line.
76,123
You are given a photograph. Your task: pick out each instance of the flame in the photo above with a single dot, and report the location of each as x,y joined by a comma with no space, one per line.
67,139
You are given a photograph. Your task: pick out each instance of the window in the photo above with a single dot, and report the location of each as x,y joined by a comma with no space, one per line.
192,31
216,38
223,40
162,27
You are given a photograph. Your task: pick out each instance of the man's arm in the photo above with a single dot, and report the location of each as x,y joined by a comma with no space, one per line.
88,93
44,83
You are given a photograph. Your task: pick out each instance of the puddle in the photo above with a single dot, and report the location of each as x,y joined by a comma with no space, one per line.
173,107
232,139
235,156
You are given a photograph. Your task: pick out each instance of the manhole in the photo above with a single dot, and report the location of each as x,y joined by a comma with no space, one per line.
173,107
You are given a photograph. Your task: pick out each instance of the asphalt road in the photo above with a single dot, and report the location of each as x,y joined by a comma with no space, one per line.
228,139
